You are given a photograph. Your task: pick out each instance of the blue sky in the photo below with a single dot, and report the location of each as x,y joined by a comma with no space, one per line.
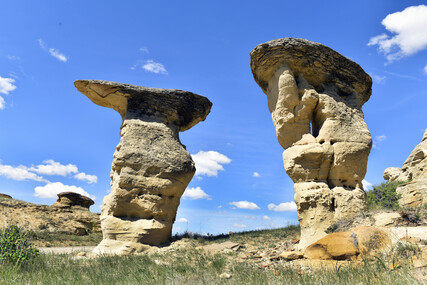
53,138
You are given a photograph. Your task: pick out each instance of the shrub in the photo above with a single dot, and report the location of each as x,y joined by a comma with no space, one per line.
384,195
15,246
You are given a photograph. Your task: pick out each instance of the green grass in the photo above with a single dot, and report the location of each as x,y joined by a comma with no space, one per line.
188,266
292,231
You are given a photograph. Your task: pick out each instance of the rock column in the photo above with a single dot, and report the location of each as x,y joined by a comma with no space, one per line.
315,97
151,168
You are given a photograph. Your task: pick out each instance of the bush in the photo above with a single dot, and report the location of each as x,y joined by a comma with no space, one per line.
384,196
15,246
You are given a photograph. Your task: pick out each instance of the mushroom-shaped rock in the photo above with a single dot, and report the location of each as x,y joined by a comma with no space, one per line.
70,199
315,97
151,168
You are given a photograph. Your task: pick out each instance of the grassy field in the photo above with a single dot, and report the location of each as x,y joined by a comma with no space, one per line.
186,267
191,265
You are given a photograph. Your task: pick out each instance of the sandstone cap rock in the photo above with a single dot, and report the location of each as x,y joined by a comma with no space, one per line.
177,107
69,199
317,63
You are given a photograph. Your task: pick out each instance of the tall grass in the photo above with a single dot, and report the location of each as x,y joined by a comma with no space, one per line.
189,266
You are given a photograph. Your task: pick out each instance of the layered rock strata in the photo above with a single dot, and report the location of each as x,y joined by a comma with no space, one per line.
72,199
414,173
151,168
315,97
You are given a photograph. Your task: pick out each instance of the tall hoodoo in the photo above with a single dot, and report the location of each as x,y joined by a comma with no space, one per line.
315,97
151,168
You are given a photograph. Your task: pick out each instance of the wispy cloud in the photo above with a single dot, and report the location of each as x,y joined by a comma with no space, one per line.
366,184
266,218
378,78
51,190
144,50
237,225
410,33
381,138
195,194
154,67
283,207
53,51
425,69
245,205
209,162
13,57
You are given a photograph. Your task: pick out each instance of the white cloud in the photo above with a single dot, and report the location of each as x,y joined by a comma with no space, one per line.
409,27
245,205
209,162
144,49
58,55
255,174
19,173
6,85
52,51
366,184
51,167
183,220
86,177
425,69
381,138
236,225
283,207
266,218
51,190
154,67
195,194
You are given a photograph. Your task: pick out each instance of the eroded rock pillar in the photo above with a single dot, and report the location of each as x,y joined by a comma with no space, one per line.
315,97
151,168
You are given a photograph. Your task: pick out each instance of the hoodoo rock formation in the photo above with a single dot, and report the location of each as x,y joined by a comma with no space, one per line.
72,199
315,97
414,173
151,168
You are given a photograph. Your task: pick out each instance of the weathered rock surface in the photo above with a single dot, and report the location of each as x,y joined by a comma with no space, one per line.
353,244
315,97
151,168
71,199
43,218
414,170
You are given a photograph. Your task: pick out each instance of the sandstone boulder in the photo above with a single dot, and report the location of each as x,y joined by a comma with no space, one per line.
315,97
151,168
414,173
71,199
358,242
